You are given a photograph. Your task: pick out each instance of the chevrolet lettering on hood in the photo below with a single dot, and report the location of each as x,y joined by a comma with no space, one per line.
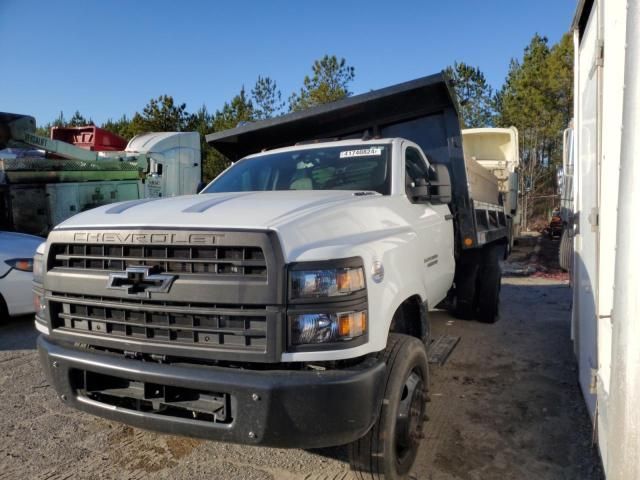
174,238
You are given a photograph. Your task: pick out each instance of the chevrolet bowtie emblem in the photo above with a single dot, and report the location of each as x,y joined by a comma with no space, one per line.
141,281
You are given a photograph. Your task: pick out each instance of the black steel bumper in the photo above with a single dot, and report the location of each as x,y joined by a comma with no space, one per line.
304,409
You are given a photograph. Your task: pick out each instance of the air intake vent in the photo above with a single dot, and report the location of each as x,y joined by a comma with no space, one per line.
206,260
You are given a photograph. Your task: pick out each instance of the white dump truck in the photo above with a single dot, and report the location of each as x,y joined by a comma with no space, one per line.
288,303
38,192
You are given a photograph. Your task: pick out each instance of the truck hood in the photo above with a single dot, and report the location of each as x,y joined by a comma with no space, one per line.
305,220
244,210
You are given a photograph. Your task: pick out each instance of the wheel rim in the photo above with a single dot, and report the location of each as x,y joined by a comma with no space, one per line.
410,417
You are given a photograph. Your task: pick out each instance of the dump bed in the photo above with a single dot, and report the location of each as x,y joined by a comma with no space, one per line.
496,151
423,111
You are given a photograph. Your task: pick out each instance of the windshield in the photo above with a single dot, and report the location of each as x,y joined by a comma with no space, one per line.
349,167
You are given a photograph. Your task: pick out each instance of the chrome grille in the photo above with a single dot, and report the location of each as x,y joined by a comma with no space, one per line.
173,323
209,260
225,303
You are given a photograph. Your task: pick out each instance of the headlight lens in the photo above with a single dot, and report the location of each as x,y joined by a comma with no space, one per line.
22,264
39,304
38,263
38,268
313,328
326,282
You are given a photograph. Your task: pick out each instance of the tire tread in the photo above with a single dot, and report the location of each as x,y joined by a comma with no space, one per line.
365,452
489,283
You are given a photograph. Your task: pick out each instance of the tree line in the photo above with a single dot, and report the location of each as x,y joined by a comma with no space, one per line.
536,97
329,81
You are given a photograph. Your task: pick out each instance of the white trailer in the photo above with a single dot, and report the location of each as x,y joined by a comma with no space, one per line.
605,278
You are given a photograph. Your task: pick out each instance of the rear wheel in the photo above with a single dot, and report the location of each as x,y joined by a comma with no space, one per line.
389,449
465,301
489,284
565,250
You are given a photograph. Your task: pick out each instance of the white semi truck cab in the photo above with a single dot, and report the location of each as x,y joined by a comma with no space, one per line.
287,303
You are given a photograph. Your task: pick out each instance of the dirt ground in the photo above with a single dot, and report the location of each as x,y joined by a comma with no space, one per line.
504,406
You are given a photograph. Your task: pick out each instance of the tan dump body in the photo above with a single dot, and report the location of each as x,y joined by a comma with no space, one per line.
495,151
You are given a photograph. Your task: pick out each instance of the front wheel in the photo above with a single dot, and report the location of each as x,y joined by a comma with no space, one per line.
389,449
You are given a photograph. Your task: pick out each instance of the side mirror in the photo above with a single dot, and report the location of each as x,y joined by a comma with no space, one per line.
200,187
440,186
419,190
436,190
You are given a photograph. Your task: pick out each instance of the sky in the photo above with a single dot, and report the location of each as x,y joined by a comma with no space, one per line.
108,58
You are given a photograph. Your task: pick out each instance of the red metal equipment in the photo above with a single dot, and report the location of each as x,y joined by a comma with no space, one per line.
90,138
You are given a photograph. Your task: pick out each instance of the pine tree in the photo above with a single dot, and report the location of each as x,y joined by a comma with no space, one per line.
237,111
475,95
234,113
78,120
329,82
161,114
267,99
537,98
121,127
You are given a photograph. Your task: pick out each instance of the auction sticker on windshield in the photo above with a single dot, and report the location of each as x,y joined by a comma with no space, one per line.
363,152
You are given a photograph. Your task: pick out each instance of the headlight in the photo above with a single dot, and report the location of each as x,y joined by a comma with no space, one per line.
39,304
326,282
310,328
22,264
38,263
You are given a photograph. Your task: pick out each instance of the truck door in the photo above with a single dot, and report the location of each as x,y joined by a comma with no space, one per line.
434,230
154,182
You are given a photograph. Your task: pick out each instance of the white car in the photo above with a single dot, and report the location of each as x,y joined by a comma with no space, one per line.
16,273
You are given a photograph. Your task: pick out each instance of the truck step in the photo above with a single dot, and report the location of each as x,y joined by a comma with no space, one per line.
440,349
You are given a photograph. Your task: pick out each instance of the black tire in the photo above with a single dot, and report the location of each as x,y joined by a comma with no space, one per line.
4,311
389,449
489,284
512,239
465,301
566,251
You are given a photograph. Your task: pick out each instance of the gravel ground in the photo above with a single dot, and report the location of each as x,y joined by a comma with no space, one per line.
505,406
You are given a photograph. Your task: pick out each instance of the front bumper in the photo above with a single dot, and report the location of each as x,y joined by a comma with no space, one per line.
280,408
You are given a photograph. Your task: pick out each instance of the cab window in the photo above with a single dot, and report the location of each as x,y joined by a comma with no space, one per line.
359,167
415,167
